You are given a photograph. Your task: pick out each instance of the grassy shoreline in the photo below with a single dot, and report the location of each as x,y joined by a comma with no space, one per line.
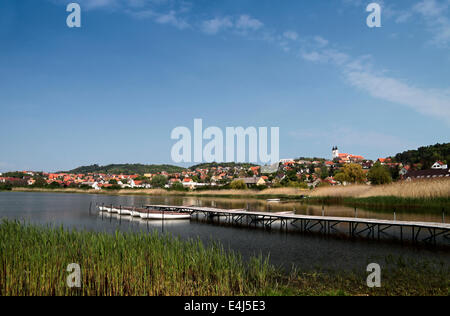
337,196
236,194
33,261
386,202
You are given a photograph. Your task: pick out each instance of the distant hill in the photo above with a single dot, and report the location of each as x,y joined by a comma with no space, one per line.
426,156
222,164
127,169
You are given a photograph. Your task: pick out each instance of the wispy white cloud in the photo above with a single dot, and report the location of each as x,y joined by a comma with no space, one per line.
246,22
241,24
360,73
325,56
94,4
321,41
171,18
436,16
434,103
433,13
357,71
291,35
160,11
214,26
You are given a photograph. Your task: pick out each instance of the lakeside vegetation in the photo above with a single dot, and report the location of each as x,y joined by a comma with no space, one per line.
289,193
423,194
418,189
425,156
387,203
409,196
33,261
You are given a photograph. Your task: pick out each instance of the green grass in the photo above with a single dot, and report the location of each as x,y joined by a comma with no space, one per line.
33,261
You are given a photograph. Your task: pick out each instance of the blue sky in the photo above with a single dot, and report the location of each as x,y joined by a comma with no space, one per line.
113,90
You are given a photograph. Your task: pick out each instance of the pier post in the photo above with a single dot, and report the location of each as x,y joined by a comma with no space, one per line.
378,234
163,212
443,215
434,236
323,210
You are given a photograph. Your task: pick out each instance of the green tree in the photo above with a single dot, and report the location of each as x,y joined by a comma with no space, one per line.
379,174
352,173
39,182
158,181
196,179
54,185
178,186
238,185
324,172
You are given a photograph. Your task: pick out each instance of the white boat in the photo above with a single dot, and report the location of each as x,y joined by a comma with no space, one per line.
161,216
125,211
108,209
273,200
135,213
144,213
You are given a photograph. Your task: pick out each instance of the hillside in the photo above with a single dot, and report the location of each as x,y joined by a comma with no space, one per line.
426,156
127,169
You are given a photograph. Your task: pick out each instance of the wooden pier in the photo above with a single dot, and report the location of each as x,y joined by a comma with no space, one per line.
370,228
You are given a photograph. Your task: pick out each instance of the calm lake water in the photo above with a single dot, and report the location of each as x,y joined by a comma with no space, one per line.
307,252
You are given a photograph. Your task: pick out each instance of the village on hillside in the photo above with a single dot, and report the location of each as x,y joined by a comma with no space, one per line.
341,169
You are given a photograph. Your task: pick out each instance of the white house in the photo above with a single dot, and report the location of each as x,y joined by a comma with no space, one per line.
439,165
286,160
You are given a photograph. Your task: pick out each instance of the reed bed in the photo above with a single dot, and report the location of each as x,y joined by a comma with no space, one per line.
422,189
33,261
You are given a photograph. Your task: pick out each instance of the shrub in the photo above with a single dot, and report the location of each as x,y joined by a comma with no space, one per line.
238,185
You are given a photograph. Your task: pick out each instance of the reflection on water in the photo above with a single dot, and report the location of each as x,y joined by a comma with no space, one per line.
285,249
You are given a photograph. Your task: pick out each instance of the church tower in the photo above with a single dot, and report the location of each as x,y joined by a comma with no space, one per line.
335,152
